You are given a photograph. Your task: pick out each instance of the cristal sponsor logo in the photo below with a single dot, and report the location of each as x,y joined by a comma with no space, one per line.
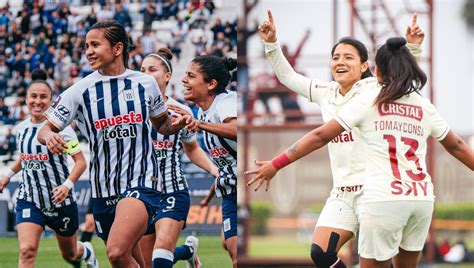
405,110
218,152
39,157
166,144
130,118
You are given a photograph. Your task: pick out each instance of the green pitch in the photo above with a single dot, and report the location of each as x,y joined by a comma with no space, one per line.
210,251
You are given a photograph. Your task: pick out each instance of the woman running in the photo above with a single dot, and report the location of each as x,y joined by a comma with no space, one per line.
205,82
116,109
159,247
46,195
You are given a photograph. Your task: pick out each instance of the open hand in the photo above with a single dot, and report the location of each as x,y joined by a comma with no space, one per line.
265,173
59,194
267,29
56,143
414,34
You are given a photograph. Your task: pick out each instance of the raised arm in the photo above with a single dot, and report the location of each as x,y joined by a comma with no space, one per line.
310,142
415,37
459,149
282,68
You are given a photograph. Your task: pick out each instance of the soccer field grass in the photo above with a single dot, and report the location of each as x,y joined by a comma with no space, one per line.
210,251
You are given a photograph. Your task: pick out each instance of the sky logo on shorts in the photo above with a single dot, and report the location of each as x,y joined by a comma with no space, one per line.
120,126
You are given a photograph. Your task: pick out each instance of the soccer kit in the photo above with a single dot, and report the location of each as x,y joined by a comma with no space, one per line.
396,207
346,152
113,113
175,198
223,153
41,173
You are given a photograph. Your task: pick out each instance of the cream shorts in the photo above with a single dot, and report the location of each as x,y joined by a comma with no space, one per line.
340,209
386,226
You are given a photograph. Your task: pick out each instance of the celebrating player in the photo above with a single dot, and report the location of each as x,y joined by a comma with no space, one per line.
337,222
175,198
205,82
115,109
395,121
46,195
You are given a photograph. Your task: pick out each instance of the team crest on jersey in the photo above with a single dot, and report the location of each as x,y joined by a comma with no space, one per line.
128,95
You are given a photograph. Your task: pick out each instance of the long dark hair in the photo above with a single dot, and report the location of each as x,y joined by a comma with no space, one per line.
361,49
400,72
216,68
114,33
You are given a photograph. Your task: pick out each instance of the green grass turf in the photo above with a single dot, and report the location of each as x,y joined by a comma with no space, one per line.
210,252
277,246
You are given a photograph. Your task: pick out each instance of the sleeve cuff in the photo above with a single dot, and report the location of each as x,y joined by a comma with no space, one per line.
269,47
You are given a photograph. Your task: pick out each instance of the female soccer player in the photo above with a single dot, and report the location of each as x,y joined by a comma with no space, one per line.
338,221
395,121
175,198
46,195
115,109
205,81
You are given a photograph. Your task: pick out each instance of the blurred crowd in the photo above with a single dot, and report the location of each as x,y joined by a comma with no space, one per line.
50,34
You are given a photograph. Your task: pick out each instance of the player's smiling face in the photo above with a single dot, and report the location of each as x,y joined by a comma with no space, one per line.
154,67
195,87
38,99
99,51
346,66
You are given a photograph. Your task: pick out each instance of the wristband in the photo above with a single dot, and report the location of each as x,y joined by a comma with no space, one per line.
281,161
68,183
10,173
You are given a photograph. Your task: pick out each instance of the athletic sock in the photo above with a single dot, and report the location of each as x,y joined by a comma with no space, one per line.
183,252
87,252
86,236
162,258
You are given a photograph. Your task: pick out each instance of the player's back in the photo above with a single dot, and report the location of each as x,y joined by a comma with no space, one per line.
396,133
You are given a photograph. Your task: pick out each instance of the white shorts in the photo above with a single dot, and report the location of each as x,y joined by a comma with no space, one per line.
386,226
340,209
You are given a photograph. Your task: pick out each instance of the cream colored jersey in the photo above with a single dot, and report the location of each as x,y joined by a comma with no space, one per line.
396,134
347,151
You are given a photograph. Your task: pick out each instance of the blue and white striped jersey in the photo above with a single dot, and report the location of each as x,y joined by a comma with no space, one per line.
222,151
113,113
41,170
169,149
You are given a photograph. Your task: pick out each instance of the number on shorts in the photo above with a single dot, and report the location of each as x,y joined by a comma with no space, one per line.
134,194
172,201
409,155
66,221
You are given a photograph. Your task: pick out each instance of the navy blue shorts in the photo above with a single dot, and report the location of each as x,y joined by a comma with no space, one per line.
174,205
63,220
229,215
104,209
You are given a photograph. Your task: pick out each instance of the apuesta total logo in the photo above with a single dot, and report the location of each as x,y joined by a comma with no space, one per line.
120,126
